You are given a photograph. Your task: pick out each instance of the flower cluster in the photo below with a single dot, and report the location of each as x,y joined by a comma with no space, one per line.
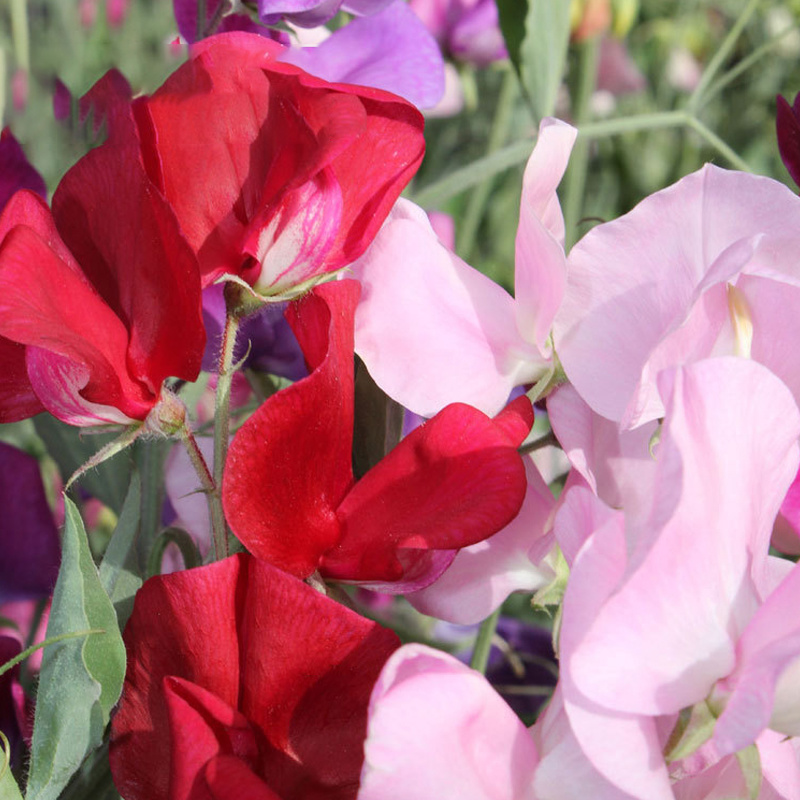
380,448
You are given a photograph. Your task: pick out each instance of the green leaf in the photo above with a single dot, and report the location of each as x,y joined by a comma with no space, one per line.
543,53
121,571
8,786
80,680
695,726
512,14
750,764
71,448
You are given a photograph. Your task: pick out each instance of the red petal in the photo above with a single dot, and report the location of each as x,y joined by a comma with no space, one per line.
243,108
452,482
516,420
46,302
17,398
289,466
298,666
126,239
229,778
201,728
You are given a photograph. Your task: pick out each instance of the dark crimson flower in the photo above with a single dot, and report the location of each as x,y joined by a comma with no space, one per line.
289,492
29,546
284,177
100,300
16,172
787,121
12,699
243,682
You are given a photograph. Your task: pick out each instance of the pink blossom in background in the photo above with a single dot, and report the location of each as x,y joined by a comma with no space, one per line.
432,330
705,267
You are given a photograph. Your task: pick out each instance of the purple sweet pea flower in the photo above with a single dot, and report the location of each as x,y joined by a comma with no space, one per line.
787,121
390,50
29,546
218,20
16,171
467,30
310,13
272,345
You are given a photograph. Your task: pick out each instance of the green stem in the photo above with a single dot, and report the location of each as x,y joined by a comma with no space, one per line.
709,73
722,148
201,19
748,61
575,179
501,125
20,33
149,455
483,644
638,122
28,651
211,488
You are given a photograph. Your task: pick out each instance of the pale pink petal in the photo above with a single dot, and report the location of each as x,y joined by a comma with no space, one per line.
632,282
430,328
541,268
483,575
613,462
668,632
58,382
780,762
438,729
763,692
565,772
624,748
580,514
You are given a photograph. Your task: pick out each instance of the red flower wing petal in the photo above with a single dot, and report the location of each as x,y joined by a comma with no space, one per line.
452,482
289,465
126,238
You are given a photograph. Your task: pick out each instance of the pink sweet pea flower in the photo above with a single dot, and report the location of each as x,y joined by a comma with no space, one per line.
683,598
432,330
706,267
276,216
438,729
451,483
127,311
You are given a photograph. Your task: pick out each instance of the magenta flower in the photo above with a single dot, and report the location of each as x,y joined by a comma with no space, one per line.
16,172
788,128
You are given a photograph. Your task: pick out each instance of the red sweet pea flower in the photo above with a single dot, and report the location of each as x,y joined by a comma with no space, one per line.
276,176
100,300
243,682
289,492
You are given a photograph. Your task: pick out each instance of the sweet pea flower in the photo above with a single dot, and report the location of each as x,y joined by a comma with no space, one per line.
390,50
310,13
467,30
705,267
126,314
432,330
788,129
29,541
686,606
450,483
243,681
272,215
438,729
16,172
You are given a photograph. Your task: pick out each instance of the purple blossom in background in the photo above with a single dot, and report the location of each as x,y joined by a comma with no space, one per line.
467,30
390,50
272,345
16,171
310,13
218,20
30,552
11,698
788,125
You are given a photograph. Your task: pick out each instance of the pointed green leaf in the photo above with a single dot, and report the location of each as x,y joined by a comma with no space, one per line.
750,764
121,574
537,45
695,726
71,448
81,679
